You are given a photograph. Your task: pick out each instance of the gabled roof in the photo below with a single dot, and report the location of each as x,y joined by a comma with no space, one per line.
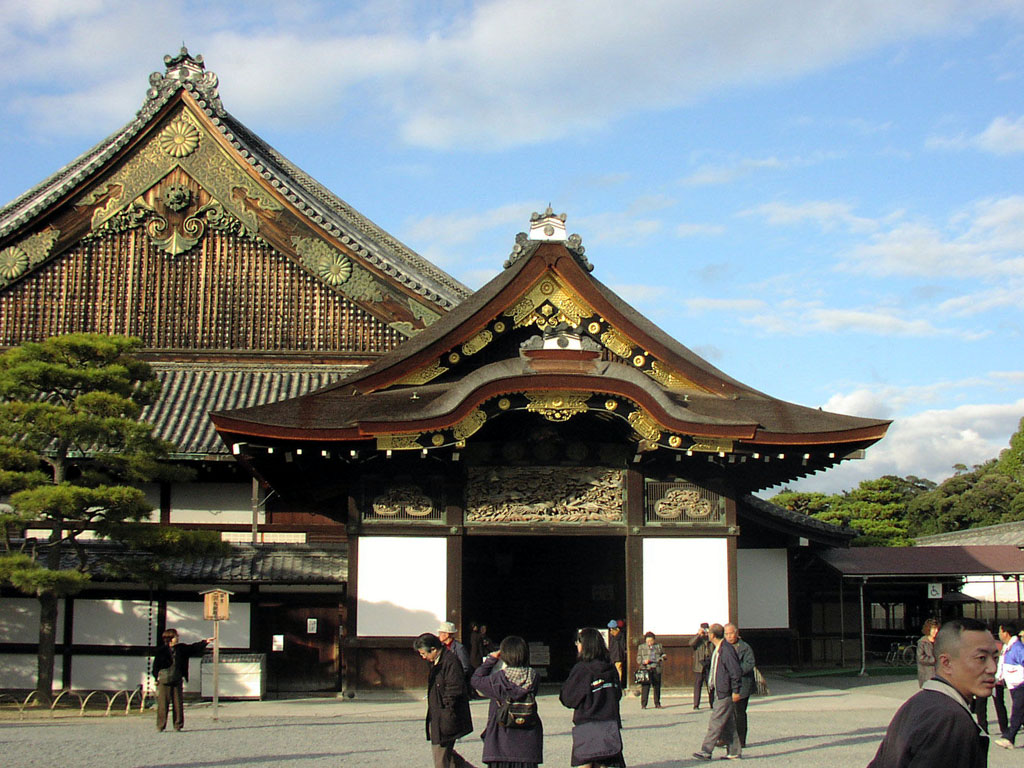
187,82
592,352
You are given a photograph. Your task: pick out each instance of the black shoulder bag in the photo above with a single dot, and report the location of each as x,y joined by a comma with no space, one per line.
519,714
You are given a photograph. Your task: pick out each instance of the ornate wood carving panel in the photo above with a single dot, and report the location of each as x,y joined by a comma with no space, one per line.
229,292
555,495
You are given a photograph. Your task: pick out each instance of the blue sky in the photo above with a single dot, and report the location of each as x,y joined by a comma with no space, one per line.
825,199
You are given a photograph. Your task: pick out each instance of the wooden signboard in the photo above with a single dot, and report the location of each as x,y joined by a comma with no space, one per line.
216,606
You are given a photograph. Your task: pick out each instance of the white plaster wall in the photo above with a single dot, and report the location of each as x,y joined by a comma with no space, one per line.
685,582
18,670
188,619
212,503
403,585
113,673
152,491
762,578
19,620
114,622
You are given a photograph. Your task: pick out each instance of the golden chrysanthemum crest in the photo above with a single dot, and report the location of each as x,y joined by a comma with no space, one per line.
179,139
13,261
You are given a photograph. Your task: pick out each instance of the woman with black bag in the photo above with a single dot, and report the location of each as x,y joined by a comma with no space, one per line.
514,735
649,656
593,689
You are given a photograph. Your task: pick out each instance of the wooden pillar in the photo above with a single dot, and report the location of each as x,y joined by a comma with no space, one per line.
349,661
730,556
67,657
454,518
634,511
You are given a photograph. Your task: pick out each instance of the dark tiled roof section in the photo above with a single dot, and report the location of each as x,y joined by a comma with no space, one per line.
312,199
245,564
1010,534
191,391
797,520
925,561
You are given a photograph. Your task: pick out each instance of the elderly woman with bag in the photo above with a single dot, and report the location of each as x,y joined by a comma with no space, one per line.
514,735
593,689
649,655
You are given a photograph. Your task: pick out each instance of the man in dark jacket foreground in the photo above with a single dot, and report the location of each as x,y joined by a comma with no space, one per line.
171,657
725,676
448,716
934,727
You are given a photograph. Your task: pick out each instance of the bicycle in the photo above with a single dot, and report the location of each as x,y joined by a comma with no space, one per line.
902,654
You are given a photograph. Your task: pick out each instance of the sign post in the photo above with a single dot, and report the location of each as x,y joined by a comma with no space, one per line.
216,608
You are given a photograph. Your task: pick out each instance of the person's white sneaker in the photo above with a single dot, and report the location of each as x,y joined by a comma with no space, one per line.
1004,743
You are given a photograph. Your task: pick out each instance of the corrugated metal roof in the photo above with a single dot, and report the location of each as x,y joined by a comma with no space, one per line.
925,561
192,390
246,564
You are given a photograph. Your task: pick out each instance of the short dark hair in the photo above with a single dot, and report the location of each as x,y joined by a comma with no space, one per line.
168,634
648,634
716,630
514,651
1010,627
950,634
427,642
592,645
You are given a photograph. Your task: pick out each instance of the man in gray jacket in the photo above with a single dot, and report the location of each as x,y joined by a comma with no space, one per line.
747,684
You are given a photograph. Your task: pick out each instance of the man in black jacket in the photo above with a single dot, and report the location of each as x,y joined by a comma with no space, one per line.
170,668
724,680
934,726
448,716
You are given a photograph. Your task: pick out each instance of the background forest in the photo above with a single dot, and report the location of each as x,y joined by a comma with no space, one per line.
893,511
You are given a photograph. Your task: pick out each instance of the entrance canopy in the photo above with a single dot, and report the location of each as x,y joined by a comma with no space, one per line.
544,346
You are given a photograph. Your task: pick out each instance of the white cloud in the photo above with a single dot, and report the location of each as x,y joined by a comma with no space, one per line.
1003,136
466,75
925,444
696,230
716,306
615,227
640,294
801,318
983,241
827,214
711,175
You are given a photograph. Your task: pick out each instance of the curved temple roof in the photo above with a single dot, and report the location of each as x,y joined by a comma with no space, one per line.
592,348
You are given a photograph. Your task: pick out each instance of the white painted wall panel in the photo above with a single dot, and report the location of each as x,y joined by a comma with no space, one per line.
18,670
212,503
19,620
402,585
762,577
685,582
114,622
113,673
188,619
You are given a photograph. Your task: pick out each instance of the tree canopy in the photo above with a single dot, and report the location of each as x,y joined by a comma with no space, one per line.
893,511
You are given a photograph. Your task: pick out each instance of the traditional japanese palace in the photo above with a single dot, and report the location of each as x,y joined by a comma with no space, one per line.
389,448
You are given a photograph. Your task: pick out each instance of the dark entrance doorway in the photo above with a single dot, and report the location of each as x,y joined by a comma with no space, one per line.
308,660
544,588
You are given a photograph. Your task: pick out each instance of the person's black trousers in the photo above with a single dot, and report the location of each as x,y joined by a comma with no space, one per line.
645,688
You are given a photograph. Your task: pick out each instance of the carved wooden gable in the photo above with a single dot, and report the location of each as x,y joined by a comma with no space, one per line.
192,234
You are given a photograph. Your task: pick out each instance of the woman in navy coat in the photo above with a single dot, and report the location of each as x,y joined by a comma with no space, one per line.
593,690
514,681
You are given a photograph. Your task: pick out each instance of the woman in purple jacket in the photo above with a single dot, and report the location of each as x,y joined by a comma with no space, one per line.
514,681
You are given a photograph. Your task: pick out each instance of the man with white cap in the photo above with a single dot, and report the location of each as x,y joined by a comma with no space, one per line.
446,633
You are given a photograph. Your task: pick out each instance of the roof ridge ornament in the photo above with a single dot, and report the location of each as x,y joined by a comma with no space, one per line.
189,72
547,227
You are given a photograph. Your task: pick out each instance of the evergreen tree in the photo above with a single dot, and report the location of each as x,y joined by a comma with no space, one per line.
70,443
